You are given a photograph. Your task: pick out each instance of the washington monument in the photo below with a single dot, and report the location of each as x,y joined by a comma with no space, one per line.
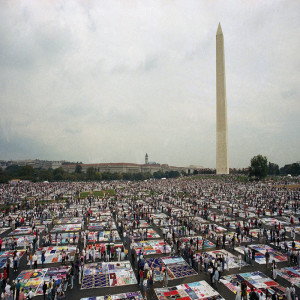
222,132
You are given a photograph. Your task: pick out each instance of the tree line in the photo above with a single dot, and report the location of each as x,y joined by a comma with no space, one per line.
259,169
59,174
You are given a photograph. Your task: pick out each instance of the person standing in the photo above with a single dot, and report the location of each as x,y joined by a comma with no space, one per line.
288,294
240,261
267,256
166,277
238,292
13,289
30,260
44,289
145,286
43,258
72,280
21,295
293,292
252,257
161,274
35,258
30,294
79,273
8,290
274,273
141,276
216,277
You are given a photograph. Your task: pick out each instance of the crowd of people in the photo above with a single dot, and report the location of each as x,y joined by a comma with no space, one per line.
185,213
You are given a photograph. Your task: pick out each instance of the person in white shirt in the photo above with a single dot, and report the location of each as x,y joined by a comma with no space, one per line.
238,292
7,288
34,258
30,294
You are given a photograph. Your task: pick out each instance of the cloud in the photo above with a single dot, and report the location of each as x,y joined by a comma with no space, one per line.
108,81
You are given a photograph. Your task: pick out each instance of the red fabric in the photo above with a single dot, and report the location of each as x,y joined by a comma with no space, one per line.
171,293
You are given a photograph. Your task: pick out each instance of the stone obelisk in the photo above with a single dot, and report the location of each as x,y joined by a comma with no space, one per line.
222,132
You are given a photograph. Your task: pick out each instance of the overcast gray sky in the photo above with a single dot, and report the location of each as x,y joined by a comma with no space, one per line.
108,81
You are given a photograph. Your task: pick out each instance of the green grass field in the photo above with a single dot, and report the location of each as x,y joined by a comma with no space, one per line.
97,193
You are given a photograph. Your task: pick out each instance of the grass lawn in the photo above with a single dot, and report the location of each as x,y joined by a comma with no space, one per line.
289,186
97,193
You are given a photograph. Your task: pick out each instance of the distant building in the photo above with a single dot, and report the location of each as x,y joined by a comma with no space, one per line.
36,163
125,168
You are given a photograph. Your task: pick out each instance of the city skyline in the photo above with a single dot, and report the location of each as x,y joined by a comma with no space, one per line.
108,82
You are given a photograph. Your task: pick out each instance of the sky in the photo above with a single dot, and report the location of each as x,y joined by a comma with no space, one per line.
107,81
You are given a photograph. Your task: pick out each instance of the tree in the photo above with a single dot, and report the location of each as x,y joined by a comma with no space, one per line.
259,167
293,169
58,174
46,175
158,174
13,170
90,173
98,176
78,168
26,172
273,169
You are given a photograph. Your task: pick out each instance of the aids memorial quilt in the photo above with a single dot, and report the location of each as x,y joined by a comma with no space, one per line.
102,225
177,267
124,296
233,261
97,275
257,279
21,240
68,220
199,290
150,233
5,254
260,251
54,254
2,230
291,274
27,230
101,247
202,244
65,238
103,236
152,247
290,245
34,279
273,222
66,228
